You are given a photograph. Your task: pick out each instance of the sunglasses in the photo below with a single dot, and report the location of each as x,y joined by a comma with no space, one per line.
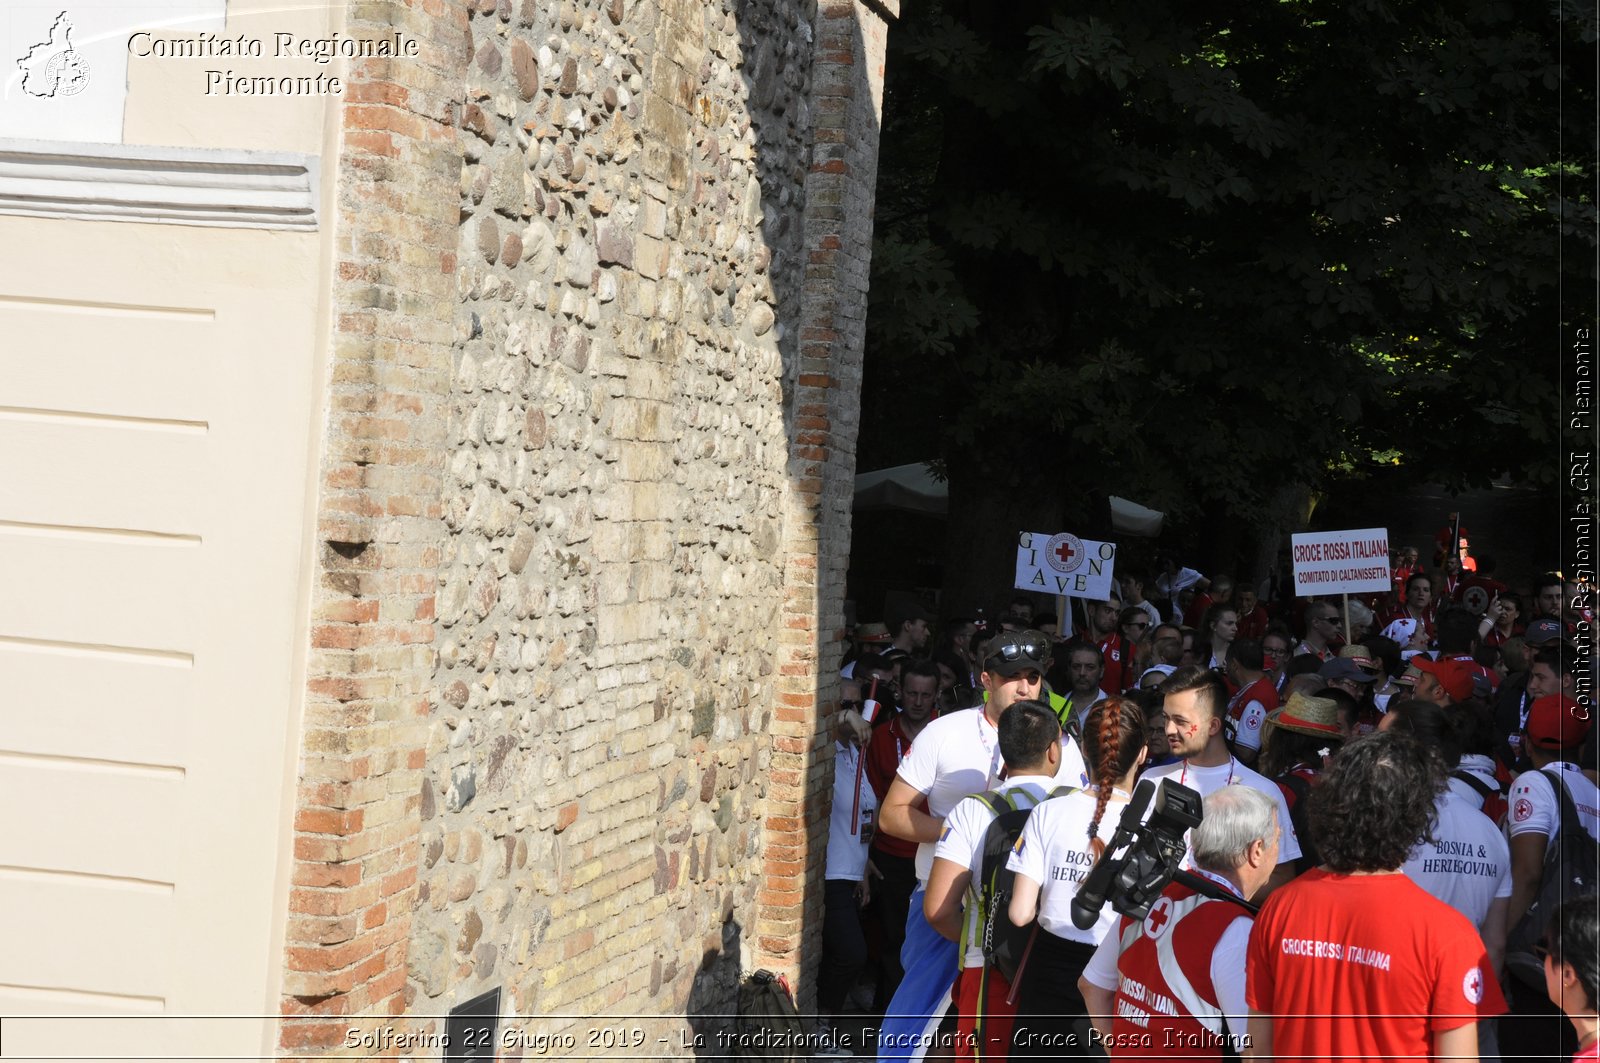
1015,649
849,703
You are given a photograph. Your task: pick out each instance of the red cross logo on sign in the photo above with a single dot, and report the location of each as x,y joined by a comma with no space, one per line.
1160,915
1064,552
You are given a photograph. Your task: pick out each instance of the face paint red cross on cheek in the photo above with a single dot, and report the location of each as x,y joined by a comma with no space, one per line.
1194,729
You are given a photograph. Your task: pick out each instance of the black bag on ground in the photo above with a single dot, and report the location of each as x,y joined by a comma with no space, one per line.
1002,940
768,1025
1569,871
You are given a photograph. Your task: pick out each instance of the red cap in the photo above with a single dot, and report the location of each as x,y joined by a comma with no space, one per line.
1454,676
1557,721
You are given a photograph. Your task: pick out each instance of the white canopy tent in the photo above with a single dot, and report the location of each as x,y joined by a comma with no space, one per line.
915,488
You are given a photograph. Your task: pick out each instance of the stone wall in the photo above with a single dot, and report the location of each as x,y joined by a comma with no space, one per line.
585,512
599,757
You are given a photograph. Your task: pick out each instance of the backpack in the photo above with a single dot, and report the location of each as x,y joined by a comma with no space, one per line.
1569,872
1494,802
1003,942
768,1024
1300,787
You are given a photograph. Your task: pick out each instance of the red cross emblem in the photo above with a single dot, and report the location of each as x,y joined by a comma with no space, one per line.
1472,986
1160,915
1064,552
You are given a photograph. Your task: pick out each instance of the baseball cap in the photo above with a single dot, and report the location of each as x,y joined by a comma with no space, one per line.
1456,677
1557,721
873,633
1013,652
1542,631
1344,668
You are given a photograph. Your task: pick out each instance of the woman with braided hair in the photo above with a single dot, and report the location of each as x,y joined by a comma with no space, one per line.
1062,839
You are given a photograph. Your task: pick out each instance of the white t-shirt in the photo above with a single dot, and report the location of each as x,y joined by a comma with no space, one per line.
1227,967
1468,864
1209,780
1171,585
959,754
847,853
1053,851
961,842
1536,807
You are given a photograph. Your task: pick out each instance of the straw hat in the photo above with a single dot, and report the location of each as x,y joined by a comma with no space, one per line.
1308,715
1361,655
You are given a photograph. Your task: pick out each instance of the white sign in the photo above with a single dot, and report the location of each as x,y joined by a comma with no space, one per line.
1065,565
1341,562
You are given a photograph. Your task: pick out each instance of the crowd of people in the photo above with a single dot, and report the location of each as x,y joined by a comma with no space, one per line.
1404,784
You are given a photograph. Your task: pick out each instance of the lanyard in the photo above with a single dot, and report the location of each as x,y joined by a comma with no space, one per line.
994,751
1218,879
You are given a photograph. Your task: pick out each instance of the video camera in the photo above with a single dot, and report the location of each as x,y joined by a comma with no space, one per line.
1145,854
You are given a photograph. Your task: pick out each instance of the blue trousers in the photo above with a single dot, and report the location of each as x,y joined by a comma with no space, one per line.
930,963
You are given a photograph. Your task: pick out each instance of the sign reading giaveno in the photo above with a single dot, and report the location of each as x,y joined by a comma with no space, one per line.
1065,565
1341,562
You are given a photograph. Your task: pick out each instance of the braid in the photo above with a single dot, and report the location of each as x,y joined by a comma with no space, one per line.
1106,775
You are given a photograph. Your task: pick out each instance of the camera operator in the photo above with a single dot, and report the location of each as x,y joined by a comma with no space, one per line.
1196,701
1190,949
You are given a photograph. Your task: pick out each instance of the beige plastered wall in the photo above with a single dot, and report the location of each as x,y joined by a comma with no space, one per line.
220,335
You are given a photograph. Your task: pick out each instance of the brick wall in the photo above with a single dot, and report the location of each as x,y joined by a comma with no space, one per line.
585,511
823,401
380,534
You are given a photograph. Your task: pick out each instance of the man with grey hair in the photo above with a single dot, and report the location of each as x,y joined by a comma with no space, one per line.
1172,985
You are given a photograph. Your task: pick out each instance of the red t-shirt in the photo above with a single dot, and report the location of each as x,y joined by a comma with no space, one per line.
1253,625
1117,654
887,749
1197,609
1365,967
1478,591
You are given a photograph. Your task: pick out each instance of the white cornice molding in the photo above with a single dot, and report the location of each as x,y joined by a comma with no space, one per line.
181,186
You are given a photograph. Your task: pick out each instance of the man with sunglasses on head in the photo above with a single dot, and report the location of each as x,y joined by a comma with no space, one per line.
954,756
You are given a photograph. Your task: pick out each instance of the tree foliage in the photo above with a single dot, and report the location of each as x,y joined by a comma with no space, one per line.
1195,253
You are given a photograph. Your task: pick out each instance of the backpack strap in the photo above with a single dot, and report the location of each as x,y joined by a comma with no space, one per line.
1484,789
1299,784
1569,811
995,801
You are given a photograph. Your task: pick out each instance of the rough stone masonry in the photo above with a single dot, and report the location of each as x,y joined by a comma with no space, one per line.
584,513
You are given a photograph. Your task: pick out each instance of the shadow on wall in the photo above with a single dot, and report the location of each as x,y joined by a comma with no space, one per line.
714,994
814,119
